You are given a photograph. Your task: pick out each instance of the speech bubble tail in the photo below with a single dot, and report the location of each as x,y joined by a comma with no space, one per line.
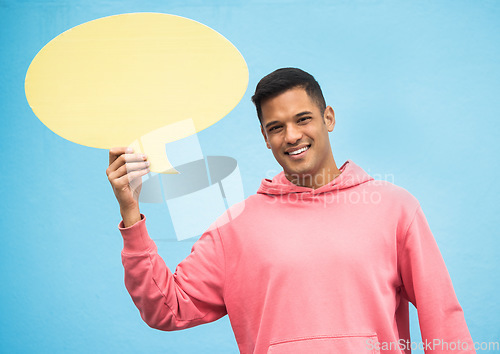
170,171
157,157
153,144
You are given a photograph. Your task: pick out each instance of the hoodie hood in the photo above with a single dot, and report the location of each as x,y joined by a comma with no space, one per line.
351,175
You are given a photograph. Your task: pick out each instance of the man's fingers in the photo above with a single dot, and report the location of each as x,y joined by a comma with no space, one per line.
128,168
115,152
133,179
123,159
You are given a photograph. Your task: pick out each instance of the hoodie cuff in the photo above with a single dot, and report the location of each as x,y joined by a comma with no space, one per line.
135,237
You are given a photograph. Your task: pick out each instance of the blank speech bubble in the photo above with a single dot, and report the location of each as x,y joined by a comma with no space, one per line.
111,81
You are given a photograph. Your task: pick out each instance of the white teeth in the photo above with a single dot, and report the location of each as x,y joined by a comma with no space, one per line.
298,151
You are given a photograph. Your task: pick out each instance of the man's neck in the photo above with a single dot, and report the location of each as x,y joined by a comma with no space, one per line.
316,180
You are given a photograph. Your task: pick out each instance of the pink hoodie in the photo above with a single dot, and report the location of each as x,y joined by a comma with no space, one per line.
329,270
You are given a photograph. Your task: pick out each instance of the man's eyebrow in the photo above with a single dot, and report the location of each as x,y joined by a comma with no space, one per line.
303,114
271,123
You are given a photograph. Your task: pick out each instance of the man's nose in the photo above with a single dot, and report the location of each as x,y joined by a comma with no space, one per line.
293,134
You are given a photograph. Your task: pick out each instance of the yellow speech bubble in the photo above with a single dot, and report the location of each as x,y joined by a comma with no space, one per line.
111,81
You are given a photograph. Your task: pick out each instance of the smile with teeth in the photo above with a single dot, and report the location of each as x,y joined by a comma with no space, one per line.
296,152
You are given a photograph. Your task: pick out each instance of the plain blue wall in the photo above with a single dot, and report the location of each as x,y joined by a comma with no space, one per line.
415,88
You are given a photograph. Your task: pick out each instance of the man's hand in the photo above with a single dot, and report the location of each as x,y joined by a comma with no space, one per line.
124,173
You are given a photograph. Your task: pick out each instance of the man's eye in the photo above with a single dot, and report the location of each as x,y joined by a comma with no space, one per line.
274,129
304,119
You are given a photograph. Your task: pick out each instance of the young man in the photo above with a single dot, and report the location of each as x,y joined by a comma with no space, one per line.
321,260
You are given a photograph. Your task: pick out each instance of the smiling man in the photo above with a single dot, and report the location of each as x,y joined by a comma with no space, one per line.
321,259
295,125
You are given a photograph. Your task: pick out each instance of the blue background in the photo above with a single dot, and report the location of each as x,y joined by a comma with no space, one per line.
415,87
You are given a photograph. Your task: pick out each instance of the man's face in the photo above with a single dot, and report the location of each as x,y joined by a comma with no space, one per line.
297,133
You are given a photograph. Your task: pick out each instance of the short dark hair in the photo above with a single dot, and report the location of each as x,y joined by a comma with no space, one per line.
282,80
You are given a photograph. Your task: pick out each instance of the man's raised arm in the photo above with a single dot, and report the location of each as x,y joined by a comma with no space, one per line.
168,301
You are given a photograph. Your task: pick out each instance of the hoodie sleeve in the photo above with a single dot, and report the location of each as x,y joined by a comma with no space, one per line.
168,301
427,285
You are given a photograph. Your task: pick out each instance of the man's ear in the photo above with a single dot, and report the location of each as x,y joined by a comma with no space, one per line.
329,118
265,136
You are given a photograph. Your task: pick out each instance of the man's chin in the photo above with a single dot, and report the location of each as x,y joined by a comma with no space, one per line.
299,177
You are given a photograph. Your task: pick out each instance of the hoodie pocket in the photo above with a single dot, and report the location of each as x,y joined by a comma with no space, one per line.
346,343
